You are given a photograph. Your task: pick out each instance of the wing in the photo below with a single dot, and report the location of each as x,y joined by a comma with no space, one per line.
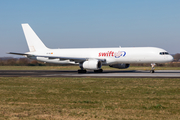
76,60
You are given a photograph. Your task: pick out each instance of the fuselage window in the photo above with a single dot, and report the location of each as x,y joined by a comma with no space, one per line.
164,53
161,53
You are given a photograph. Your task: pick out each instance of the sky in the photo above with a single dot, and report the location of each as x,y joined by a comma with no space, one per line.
91,24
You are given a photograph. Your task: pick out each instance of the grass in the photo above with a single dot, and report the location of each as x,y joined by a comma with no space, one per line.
77,67
89,98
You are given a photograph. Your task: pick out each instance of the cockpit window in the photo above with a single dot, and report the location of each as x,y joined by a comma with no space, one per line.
164,53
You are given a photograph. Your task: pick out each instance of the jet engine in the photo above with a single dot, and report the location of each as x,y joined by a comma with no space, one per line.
92,65
120,66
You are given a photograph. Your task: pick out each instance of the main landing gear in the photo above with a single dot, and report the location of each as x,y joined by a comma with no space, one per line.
98,71
95,71
82,71
153,67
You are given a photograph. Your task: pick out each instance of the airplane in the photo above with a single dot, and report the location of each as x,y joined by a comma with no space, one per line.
92,58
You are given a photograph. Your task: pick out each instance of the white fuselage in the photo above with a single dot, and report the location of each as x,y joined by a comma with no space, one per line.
111,55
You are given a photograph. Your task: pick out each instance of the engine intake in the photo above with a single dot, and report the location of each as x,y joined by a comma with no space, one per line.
92,65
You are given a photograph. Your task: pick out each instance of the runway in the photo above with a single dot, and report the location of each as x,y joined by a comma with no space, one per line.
106,73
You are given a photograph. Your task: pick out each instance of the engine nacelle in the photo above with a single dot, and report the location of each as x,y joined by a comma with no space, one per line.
92,65
120,66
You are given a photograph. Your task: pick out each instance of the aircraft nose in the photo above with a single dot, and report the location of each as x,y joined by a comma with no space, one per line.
170,58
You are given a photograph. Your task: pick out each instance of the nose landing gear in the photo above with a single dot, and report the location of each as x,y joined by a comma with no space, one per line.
153,67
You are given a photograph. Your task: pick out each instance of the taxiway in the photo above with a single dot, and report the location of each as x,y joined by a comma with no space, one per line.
106,73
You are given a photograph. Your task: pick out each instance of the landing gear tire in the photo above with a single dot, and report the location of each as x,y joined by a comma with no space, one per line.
151,71
98,71
82,71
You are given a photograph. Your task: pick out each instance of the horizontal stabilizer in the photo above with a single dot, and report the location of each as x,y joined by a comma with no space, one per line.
17,53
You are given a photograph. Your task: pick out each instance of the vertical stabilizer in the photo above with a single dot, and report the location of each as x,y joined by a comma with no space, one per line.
33,41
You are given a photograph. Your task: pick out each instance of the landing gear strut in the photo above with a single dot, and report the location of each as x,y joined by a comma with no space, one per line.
153,67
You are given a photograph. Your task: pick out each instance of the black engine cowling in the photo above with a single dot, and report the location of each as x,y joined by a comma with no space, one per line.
120,66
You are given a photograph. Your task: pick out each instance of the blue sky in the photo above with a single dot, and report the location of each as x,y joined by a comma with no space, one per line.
91,23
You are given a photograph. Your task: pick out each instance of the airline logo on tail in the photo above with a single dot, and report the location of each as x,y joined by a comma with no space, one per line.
112,54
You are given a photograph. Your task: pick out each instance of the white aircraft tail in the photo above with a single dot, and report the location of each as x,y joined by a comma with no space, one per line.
33,41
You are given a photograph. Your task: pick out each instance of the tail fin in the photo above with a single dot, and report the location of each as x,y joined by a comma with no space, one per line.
33,41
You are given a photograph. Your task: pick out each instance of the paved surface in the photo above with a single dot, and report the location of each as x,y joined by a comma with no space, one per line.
106,73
